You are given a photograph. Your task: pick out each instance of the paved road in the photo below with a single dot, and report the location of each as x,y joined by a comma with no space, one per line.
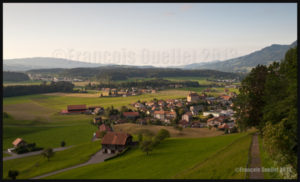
255,159
97,158
16,156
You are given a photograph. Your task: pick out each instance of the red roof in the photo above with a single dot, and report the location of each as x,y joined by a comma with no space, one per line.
17,141
226,97
76,107
104,127
115,138
159,112
170,112
130,114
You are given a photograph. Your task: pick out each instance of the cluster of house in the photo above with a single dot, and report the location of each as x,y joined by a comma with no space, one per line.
165,110
82,109
51,78
113,92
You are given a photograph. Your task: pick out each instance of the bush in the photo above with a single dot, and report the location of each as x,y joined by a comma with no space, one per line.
163,133
13,174
21,150
63,143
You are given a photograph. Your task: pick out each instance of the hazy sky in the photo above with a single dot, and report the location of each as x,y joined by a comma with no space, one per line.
147,33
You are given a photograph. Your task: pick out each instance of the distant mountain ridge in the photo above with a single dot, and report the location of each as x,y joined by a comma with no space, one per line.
241,64
245,63
24,64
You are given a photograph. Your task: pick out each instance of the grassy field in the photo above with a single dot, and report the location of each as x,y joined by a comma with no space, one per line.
45,106
48,136
170,158
221,165
186,132
201,80
32,166
29,82
267,162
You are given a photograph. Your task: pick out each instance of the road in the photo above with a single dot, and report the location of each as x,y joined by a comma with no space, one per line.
16,156
97,158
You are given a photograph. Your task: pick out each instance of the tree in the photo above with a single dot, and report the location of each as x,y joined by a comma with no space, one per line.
146,146
62,143
13,174
249,103
268,101
163,134
48,153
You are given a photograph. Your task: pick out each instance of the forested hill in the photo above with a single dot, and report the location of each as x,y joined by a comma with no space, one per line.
14,76
245,63
123,73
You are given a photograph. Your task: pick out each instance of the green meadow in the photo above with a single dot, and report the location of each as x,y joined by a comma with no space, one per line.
37,165
172,157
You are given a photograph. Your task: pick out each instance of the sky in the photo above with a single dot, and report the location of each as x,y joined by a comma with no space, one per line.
158,34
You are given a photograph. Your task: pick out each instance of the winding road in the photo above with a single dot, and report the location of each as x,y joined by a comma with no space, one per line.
16,156
96,158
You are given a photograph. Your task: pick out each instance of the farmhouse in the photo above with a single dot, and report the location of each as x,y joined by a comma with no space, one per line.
115,142
19,142
95,109
193,97
76,108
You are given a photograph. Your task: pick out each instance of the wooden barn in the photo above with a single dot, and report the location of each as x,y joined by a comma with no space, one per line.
76,108
115,142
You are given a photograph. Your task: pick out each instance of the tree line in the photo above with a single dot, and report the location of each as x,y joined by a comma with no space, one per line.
143,84
18,90
123,73
14,76
268,101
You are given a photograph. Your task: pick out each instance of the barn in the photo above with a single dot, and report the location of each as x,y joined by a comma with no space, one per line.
76,108
115,142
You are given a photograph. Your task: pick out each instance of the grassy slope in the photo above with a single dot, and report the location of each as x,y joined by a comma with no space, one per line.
37,165
221,166
267,162
168,159
59,102
37,118
49,136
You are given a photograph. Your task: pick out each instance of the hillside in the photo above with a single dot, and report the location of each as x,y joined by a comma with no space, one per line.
24,64
244,64
14,76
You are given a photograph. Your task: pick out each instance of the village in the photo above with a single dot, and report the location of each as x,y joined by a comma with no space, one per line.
194,111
